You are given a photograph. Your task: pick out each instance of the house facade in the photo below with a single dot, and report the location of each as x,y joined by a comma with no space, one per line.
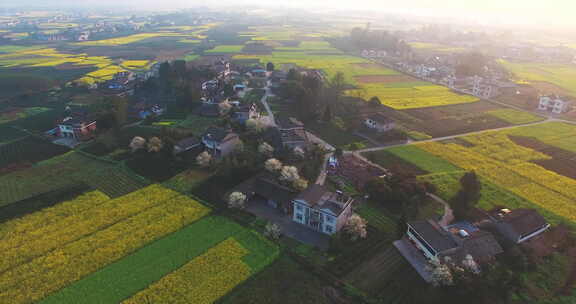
553,104
220,142
76,128
292,133
322,210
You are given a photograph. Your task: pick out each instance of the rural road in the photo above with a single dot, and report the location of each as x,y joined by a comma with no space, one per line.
264,101
456,136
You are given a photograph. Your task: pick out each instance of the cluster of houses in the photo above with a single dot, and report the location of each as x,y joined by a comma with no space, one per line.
463,242
554,104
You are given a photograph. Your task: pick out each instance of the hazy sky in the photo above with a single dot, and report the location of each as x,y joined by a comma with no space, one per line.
525,11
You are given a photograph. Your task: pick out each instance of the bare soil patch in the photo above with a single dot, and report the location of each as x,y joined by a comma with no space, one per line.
549,88
523,96
384,78
563,162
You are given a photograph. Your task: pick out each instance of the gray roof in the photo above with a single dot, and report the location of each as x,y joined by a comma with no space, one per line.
434,235
312,194
524,221
271,190
380,118
188,143
288,122
217,134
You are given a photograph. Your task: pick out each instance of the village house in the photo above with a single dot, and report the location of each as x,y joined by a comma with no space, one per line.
275,195
426,240
519,225
76,127
292,132
220,142
244,113
322,210
379,122
554,104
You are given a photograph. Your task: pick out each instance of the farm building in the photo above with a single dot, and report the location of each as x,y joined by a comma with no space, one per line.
220,142
77,127
553,104
519,225
242,114
322,210
459,243
379,122
292,132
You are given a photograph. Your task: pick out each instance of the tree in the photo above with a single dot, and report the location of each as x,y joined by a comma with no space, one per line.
299,153
375,101
273,165
137,143
441,275
270,67
266,149
338,84
356,227
272,231
228,90
289,174
155,144
120,110
327,114
468,197
225,107
300,184
204,159
293,75
255,125
237,200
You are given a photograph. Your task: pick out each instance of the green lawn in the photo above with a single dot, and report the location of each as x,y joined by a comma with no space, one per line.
515,117
558,134
137,271
377,217
226,49
422,159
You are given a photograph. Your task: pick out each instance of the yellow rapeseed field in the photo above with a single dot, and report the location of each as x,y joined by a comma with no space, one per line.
495,157
41,255
130,39
201,281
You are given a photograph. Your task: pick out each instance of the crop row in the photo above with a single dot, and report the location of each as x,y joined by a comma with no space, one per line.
147,266
203,280
94,241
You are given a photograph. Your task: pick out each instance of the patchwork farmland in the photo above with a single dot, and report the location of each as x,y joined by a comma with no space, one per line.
88,250
519,167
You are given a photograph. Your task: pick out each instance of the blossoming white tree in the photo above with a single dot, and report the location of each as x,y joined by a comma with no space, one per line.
273,165
155,144
204,159
289,174
272,231
266,149
356,227
137,143
237,200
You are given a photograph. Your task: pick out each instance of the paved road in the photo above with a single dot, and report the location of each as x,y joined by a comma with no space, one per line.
272,121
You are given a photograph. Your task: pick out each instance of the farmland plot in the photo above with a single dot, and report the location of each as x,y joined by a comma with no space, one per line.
84,237
496,158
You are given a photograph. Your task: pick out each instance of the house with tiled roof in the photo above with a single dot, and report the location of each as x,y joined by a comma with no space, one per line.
519,225
322,210
459,243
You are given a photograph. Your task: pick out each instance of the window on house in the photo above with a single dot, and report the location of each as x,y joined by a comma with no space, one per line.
329,219
329,229
299,217
299,208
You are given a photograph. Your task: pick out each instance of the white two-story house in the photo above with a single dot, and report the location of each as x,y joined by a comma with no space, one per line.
322,210
553,104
